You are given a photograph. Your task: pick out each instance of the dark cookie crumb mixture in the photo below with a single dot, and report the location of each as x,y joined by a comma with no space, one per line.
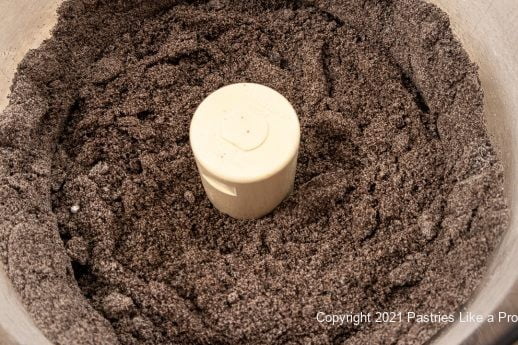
106,232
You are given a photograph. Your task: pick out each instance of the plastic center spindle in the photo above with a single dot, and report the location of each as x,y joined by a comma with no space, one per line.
244,130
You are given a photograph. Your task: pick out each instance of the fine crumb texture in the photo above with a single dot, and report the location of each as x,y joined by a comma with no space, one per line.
108,237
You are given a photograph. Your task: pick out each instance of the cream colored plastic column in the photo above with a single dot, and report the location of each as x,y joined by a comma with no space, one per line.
245,139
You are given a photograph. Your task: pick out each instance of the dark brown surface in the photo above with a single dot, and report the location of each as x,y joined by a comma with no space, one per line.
398,198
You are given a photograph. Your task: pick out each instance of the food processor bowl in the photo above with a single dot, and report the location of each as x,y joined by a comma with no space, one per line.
488,31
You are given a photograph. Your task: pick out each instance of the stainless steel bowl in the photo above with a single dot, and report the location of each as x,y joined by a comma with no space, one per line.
489,32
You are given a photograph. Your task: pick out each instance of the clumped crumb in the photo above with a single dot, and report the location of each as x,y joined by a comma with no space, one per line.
397,192
116,305
77,250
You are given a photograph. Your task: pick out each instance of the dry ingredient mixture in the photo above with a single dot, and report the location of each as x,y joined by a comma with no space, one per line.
108,237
